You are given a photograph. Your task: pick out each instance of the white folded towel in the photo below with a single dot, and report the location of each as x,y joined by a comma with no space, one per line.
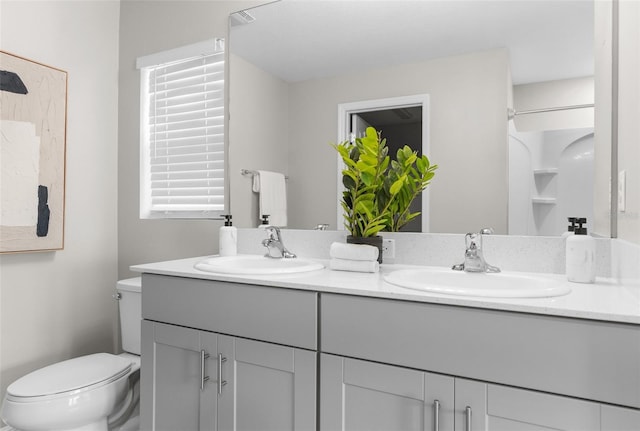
354,265
361,252
273,196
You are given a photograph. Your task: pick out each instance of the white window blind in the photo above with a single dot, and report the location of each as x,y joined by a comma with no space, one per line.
183,133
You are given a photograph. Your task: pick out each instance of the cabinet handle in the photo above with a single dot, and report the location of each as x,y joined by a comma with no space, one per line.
467,412
436,415
203,357
221,382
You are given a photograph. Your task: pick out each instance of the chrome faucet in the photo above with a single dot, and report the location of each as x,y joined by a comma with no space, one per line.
275,246
473,257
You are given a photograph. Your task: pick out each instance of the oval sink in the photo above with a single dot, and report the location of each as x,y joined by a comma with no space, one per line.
493,285
249,264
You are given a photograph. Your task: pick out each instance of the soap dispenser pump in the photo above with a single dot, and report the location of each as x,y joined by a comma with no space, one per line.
581,254
228,245
571,228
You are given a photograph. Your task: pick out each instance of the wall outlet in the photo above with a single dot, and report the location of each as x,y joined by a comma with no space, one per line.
389,248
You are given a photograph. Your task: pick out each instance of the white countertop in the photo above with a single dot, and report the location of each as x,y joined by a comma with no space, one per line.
606,300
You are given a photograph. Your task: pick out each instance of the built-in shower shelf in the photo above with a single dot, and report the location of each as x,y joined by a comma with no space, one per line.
544,201
548,171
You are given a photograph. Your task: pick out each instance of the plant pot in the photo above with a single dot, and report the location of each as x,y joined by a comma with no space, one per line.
375,241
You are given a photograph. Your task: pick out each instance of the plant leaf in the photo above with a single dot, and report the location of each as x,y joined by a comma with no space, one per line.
367,178
396,186
348,181
371,133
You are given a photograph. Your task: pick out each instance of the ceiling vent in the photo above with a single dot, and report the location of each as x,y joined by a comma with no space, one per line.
241,18
403,113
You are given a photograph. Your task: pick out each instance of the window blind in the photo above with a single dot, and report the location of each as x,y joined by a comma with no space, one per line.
183,151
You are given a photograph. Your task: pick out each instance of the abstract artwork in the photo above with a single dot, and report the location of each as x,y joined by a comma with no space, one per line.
33,116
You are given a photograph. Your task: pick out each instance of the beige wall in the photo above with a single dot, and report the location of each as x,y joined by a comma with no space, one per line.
56,305
629,115
258,125
147,27
468,138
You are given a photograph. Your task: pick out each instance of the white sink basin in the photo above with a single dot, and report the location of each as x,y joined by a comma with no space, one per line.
249,264
493,285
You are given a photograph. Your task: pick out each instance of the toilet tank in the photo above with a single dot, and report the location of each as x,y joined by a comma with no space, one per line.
130,313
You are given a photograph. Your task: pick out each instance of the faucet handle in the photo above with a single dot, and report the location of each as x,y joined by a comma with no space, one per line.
474,240
272,231
470,240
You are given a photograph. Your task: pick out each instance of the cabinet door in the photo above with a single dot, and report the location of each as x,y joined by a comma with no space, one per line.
487,407
177,391
362,395
620,419
268,386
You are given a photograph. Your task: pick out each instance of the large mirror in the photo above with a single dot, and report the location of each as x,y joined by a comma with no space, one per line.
508,117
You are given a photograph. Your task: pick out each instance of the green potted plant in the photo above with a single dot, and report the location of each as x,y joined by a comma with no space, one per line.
378,192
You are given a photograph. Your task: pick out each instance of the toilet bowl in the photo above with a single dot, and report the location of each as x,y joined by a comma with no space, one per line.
77,394
98,392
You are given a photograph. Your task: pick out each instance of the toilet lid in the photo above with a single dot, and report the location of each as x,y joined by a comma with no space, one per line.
70,375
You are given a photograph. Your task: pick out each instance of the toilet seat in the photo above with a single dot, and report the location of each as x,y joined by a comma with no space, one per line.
70,377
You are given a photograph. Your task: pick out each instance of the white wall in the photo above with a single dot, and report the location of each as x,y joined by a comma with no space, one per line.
56,305
147,27
552,94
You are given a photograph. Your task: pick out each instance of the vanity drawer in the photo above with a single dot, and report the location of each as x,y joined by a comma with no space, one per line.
580,358
276,315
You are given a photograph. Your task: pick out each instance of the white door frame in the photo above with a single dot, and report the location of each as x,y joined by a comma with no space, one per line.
344,115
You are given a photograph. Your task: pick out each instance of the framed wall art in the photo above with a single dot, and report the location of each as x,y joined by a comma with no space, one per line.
33,116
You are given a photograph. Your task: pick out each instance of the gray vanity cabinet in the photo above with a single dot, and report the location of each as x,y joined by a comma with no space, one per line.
205,366
620,419
176,386
481,406
362,395
546,373
199,380
490,407
268,387
230,356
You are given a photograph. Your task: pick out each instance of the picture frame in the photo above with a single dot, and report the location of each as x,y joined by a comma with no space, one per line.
33,129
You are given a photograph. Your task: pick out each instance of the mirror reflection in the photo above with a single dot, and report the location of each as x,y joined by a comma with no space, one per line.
509,118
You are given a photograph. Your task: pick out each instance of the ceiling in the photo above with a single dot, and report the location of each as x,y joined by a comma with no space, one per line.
306,39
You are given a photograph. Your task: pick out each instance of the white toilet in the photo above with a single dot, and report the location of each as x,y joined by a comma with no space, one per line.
98,392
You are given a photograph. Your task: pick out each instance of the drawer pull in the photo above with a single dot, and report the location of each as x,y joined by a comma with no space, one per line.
467,412
436,415
203,378
221,382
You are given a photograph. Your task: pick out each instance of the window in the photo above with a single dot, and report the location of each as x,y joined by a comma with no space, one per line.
182,159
